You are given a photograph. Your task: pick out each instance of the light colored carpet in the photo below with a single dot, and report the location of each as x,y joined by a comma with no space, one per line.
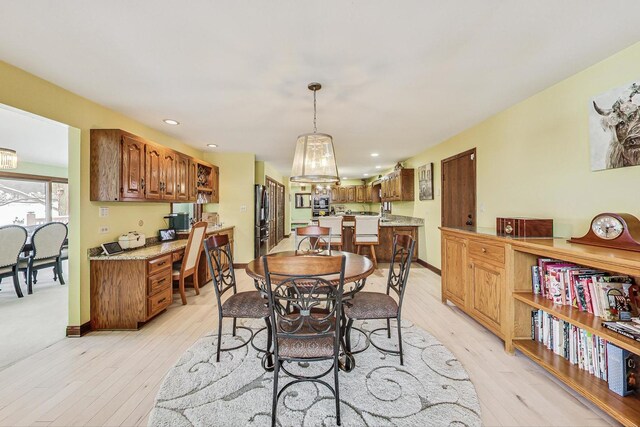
34,322
431,389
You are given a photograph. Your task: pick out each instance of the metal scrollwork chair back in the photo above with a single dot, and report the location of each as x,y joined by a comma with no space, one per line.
376,305
249,304
313,239
305,308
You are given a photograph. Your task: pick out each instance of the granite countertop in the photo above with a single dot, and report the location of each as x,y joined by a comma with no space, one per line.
153,250
210,229
392,221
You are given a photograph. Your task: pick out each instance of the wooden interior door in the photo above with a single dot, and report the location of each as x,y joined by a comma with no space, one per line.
153,166
132,169
459,190
280,213
271,189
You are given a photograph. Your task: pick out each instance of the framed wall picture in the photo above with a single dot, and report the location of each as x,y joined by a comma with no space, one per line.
425,181
303,200
614,120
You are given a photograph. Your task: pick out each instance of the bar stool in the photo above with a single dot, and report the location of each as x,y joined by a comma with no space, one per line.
335,224
367,233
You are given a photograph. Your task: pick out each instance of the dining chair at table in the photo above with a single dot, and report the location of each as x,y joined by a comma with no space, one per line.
367,233
295,287
334,223
13,238
313,239
46,241
64,255
376,305
188,266
243,305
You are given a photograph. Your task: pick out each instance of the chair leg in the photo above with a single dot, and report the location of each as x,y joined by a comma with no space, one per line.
29,279
358,249
183,295
196,285
400,341
336,385
267,320
35,276
347,335
219,339
58,268
373,255
274,404
234,327
55,273
388,328
16,282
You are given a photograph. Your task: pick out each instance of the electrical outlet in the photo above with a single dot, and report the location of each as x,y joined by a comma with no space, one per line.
104,229
104,212
243,208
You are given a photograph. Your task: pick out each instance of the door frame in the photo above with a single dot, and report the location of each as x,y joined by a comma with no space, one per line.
475,178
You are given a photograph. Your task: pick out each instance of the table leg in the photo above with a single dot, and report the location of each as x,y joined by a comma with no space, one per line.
347,360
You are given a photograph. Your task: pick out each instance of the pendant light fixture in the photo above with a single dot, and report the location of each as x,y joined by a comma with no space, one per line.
8,159
314,160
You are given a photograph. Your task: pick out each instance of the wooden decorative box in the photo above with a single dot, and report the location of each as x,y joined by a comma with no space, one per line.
524,227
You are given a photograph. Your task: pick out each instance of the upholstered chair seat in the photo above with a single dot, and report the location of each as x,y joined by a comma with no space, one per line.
249,305
371,305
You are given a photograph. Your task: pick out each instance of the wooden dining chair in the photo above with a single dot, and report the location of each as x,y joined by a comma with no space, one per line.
188,267
47,241
243,305
295,287
334,223
367,233
376,305
13,238
313,239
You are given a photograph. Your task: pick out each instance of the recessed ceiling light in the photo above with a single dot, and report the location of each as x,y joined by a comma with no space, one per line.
366,174
171,122
212,145
344,177
374,154
378,166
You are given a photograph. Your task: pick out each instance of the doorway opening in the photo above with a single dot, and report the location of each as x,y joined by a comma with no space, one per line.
35,214
459,190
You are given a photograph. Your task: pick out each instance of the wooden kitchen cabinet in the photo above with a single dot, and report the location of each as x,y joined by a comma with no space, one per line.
398,186
360,194
182,178
125,167
351,194
133,183
473,277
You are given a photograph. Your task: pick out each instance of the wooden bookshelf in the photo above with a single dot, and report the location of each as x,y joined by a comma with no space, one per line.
524,255
581,319
624,409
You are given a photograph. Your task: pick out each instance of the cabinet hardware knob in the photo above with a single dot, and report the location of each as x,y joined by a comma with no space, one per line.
162,300
484,250
162,263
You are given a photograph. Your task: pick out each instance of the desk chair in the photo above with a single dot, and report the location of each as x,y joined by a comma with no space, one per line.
189,264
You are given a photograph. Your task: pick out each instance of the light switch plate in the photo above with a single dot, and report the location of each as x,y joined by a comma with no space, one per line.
104,212
243,208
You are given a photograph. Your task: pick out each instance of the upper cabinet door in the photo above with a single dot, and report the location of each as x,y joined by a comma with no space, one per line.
133,180
169,173
182,178
215,184
152,176
351,194
193,180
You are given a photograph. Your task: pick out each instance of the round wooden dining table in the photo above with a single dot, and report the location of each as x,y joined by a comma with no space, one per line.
357,269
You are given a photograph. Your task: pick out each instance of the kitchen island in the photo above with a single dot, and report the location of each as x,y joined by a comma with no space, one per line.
132,287
390,225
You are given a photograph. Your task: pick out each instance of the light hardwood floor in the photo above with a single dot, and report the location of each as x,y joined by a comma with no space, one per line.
111,378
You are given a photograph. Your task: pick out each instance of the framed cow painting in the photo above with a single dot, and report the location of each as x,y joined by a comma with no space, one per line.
614,128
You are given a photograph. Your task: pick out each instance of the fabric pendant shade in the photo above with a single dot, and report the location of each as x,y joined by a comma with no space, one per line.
314,159
8,159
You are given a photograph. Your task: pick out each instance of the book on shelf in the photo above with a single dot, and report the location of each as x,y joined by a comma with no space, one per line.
627,329
585,288
622,370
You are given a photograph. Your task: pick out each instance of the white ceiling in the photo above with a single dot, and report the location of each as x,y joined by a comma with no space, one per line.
398,76
35,139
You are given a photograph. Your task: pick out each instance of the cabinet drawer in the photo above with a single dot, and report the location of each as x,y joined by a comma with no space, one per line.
158,264
158,302
158,283
486,251
177,255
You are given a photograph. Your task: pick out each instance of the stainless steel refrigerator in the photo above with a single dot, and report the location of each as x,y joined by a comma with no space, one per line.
261,209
